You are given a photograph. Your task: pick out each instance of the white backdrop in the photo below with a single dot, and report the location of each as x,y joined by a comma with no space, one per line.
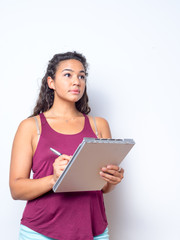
134,55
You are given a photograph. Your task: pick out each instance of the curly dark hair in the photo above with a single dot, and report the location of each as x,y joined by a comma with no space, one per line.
46,95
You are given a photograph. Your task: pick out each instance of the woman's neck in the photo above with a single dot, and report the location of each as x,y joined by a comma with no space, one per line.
66,110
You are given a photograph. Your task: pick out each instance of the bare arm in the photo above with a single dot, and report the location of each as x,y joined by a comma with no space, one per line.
111,173
21,186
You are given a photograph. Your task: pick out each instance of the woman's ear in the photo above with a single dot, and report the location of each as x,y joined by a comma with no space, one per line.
50,83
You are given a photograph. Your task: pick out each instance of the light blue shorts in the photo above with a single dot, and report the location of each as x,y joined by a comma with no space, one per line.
28,234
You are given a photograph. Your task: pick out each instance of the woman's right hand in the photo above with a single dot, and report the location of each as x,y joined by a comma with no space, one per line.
59,165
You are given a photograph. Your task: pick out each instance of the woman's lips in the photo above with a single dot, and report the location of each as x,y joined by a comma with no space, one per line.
74,91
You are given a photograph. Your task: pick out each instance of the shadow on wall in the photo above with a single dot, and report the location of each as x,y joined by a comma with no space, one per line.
100,104
114,205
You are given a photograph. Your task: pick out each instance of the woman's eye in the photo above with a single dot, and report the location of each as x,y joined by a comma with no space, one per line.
67,75
82,77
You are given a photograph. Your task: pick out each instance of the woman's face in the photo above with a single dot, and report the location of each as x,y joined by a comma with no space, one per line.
70,80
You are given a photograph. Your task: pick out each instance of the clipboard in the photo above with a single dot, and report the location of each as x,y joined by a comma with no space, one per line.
82,171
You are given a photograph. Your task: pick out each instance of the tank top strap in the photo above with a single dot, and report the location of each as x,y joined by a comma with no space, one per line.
86,123
88,127
43,119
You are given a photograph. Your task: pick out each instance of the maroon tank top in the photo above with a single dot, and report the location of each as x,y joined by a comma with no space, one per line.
63,216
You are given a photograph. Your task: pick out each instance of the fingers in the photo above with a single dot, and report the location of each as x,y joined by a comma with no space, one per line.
63,159
60,164
112,174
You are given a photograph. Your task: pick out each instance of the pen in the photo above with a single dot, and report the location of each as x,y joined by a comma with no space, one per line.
55,151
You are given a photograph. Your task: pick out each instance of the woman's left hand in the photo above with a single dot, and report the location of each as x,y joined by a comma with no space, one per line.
112,174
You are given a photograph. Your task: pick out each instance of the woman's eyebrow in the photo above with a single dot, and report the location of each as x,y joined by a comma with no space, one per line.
67,69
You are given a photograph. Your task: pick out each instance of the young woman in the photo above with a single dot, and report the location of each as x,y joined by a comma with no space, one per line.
59,121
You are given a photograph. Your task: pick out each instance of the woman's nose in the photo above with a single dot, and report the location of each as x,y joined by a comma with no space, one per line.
76,80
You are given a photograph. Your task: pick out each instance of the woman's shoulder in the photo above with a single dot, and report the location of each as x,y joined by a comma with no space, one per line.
28,125
102,126
98,120
27,122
